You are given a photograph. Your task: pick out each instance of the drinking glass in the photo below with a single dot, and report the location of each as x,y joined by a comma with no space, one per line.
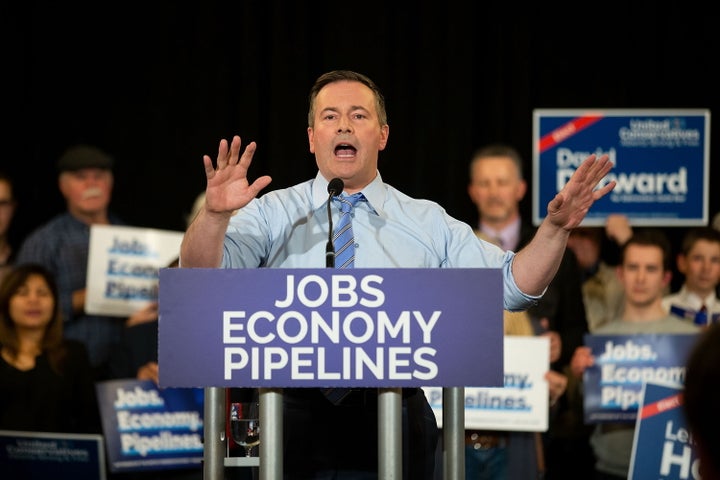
245,425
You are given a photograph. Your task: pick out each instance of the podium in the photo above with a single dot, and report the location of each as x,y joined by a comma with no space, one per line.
240,322
389,439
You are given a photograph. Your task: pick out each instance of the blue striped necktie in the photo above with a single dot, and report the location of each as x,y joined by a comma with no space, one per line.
343,239
344,243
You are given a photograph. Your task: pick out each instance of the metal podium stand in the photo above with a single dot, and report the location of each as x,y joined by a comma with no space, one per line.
270,462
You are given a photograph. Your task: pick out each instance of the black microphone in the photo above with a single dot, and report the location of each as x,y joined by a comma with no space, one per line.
335,187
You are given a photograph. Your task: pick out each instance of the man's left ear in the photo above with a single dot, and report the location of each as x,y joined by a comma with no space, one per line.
311,139
384,134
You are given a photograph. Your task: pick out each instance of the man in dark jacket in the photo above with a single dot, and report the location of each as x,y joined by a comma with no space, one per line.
497,187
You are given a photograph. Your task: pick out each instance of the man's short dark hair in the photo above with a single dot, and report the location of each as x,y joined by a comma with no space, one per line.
346,75
651,237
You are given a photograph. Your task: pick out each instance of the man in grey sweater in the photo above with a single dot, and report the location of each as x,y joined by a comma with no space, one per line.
645,272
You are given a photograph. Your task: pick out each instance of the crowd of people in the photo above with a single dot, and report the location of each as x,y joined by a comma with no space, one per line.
53,352
562,281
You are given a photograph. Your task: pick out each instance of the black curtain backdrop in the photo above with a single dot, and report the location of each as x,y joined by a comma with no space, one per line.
157,84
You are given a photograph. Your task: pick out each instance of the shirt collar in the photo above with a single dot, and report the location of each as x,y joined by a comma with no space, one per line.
374,192
509,236
694,301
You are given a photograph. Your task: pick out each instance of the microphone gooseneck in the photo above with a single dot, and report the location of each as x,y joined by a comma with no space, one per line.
335,187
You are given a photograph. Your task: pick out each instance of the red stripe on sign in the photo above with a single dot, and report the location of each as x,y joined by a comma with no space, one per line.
561,133
651,409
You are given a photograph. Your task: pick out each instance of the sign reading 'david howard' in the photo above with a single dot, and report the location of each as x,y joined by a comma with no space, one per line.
330,328
661,162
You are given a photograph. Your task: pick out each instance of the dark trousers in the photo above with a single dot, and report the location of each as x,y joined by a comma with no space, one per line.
340,442
569,458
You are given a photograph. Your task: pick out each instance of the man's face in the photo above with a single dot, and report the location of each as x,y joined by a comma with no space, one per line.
87,191
347,136
701,266
496,189
642,274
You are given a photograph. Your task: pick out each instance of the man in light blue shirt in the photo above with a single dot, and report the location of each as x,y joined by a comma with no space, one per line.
288,228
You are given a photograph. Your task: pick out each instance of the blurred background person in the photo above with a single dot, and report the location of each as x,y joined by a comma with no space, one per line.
85,180
617,231
136,357
46,383
716,226
496,187
7,211
699,262
645,272
601,290
701,399
196,206
500,455
136,353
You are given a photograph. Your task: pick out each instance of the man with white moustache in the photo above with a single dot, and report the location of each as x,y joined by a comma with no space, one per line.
85,179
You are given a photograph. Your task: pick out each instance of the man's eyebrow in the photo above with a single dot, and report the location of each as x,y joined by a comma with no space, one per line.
352,108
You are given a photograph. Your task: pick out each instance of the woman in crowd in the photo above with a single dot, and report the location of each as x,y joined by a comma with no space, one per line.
45,380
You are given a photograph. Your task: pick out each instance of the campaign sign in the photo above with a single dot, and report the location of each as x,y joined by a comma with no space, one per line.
521,404
385,328
661,162
147,428
662,447
623,363
33,455
123,265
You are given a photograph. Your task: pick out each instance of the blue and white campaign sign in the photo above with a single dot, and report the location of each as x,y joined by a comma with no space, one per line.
623,363
661,162
147,428
33,455
123,265
662,446
385,328
521,404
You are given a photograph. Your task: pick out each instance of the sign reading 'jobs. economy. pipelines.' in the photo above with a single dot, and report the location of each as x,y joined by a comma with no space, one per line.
384,328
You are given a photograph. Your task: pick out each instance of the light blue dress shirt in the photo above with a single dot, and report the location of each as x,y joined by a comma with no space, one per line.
288,228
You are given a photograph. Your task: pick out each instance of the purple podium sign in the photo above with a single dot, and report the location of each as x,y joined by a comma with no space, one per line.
385,328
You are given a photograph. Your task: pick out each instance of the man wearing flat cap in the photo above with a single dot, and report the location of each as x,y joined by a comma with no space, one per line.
62,245
84,156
